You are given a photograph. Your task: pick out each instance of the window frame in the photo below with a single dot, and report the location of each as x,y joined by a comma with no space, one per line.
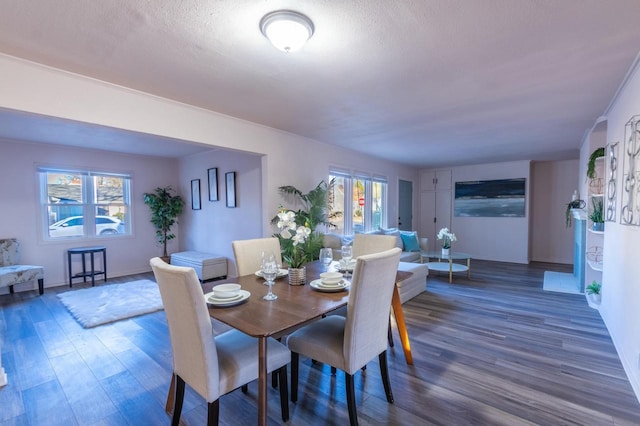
88,205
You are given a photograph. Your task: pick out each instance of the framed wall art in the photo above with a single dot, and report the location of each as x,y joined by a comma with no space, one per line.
213,183
490,198
230,179
195,194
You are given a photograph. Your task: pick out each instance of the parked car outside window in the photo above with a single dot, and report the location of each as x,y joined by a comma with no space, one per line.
72,226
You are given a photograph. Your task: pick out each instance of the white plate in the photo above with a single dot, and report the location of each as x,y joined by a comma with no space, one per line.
213,301
281,273
317,285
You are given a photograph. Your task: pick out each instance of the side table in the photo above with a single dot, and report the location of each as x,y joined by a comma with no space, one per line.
91,251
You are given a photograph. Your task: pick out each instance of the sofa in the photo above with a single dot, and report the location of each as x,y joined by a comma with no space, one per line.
411,246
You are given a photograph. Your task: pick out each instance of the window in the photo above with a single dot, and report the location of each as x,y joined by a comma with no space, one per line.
362,201
84,204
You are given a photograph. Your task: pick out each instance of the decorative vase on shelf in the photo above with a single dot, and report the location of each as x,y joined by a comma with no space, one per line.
445,252
598,226
297,276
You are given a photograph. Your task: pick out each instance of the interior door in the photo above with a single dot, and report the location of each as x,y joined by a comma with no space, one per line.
405,205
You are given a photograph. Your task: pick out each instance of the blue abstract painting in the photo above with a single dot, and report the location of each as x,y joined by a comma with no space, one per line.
490,198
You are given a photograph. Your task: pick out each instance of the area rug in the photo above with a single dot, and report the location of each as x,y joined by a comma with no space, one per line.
561,282
108,303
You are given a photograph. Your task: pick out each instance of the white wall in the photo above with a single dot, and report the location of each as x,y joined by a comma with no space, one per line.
504,239
553,183
21,210
620,306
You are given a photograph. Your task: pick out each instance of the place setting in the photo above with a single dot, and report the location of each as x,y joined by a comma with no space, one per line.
330,282
225,295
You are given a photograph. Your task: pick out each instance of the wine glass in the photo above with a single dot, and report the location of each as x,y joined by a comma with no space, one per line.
326,257
346,257
269,273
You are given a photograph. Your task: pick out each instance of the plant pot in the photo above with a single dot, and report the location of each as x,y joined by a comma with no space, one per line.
595,298
598,226
297,276
445,252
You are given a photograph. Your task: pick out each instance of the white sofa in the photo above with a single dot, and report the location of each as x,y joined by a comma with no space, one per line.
408,288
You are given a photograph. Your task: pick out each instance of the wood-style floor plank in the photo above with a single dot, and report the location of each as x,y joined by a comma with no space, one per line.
491,350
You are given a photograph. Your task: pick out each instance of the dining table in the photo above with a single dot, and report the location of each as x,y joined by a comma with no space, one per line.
295,306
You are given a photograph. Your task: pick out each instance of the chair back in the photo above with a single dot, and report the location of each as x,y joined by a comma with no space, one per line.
9,252
248,253
366,327
195,358
370,243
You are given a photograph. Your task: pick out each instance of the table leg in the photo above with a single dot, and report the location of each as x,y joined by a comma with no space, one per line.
69,266
104,263
262,381
469,268
93,271
168,406
450,271
84,269
402,327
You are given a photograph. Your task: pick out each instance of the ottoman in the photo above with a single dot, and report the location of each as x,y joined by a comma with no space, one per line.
207,266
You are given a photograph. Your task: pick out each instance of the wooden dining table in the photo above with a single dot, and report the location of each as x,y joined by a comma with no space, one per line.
295,307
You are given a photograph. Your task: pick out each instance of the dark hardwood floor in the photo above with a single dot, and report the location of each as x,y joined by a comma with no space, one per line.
492,350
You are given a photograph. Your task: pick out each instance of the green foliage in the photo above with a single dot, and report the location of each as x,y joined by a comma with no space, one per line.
316,205
594,287
591,166
597,214
165,208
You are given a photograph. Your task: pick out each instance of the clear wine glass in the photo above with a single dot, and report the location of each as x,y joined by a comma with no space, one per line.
326,257
346,257
269,273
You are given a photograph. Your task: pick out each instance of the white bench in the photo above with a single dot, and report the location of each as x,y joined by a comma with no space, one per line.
207,266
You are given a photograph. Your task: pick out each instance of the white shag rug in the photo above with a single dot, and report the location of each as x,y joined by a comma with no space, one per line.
108,303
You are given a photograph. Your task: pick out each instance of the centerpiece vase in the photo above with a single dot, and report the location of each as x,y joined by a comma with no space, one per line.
445,252
297,276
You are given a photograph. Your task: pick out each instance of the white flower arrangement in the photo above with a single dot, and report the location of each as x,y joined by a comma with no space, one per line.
293,238
447,237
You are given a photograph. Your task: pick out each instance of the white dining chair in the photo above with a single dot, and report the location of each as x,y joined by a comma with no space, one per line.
248,253
211,365
350,343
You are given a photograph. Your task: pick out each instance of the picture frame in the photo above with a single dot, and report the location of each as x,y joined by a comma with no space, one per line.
230,179
195,194
212,173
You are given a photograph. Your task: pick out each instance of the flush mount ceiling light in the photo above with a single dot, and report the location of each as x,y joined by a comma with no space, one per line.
286,30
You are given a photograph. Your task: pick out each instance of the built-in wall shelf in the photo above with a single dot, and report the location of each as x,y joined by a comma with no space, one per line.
596,266
595,232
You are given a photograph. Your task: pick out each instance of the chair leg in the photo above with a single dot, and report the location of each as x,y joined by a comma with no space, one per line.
11,289
41,286
284,393
295,358
333,371
177,409
274,379
213,413
384,372
245,388
351,399
389,335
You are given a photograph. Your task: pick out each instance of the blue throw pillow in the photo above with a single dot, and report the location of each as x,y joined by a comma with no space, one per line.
410,241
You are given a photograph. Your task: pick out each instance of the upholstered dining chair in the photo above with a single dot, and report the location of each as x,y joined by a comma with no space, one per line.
248,253
212,366
350,343
370,243
11,272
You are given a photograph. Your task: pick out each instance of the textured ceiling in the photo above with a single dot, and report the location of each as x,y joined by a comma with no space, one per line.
423,82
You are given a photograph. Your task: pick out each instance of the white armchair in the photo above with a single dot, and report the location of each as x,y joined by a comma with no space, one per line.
11,272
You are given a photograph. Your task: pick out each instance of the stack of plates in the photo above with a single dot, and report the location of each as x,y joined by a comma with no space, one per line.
212,299
330,288
281,273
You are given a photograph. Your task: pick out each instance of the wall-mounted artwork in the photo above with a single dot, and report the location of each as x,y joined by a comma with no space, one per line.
490,198
230,179
213,183
195,194
630,191
612,177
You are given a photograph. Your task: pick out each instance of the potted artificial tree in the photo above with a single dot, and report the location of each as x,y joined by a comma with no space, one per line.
165,207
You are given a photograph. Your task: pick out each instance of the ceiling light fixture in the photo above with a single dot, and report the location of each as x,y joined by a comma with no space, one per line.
286,30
